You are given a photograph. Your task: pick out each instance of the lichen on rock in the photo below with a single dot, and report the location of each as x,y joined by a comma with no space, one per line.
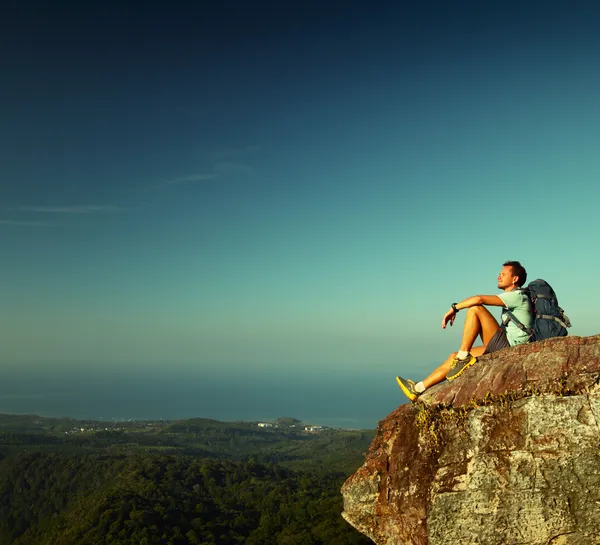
508,453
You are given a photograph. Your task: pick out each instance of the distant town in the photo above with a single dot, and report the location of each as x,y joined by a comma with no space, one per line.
135,424
312,429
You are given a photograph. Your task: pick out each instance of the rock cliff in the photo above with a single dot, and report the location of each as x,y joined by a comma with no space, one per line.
508,453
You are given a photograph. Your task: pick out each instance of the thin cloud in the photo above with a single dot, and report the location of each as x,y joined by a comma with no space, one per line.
233,153
27,223
227,167
79,209
220,169
22,396
192,178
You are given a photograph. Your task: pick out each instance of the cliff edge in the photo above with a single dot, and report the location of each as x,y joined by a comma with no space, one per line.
508,453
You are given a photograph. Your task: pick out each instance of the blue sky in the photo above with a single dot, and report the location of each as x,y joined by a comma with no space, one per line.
273,186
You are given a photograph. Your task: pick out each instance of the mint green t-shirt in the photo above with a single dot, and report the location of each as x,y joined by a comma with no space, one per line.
518,303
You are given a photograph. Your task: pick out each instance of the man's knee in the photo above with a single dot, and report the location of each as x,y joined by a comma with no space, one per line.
477,309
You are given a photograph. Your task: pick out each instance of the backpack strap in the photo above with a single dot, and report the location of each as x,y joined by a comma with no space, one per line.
565,318
509,316
565,324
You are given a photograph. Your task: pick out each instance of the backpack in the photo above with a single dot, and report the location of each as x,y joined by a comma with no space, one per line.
549,320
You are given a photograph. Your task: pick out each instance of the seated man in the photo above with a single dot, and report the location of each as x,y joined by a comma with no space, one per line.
480,322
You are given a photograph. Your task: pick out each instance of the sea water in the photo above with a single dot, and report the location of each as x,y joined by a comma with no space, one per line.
337,399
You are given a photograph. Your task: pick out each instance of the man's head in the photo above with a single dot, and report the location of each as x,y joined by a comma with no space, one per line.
512,274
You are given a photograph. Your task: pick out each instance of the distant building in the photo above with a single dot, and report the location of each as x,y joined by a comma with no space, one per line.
266,425
313,428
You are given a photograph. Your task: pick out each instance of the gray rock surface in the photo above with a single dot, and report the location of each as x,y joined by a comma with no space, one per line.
508,453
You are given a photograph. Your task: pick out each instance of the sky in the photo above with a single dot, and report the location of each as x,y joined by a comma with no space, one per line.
301,186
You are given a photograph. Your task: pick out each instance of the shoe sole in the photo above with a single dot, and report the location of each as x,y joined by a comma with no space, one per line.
405,390
465,367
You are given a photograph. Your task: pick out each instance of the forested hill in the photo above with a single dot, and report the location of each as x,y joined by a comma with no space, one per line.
65,482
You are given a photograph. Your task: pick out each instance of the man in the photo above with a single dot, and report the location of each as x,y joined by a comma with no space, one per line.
479,322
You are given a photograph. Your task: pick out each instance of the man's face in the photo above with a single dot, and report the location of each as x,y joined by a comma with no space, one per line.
506,278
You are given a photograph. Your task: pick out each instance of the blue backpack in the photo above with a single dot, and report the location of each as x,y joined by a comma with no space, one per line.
549,320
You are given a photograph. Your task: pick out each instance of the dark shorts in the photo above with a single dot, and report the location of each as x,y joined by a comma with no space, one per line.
497,342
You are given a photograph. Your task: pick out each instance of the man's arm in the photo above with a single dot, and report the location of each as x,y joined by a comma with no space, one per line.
490,300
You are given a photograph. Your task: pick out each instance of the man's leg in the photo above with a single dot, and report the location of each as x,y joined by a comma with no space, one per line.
479,322
440,373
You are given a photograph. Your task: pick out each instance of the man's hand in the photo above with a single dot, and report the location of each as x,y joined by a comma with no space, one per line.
448,317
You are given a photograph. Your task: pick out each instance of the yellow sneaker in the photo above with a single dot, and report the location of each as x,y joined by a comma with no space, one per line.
458,366
408,387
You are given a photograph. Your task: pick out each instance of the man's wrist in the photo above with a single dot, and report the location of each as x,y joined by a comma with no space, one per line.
454,307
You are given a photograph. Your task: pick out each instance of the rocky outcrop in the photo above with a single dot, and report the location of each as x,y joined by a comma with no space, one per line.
508,453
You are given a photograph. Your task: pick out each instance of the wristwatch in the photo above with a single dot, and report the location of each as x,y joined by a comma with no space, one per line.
454,307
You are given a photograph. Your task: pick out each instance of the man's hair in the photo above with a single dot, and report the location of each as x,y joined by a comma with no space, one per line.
518,270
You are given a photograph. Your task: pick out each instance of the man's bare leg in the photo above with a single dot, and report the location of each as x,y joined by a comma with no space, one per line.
440,373
478,322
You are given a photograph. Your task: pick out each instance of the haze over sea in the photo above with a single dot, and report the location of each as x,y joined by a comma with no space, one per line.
346,401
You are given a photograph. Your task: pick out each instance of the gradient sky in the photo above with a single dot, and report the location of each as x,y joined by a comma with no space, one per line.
301,185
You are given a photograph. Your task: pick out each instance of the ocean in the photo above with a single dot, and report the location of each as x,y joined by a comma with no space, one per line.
335,399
